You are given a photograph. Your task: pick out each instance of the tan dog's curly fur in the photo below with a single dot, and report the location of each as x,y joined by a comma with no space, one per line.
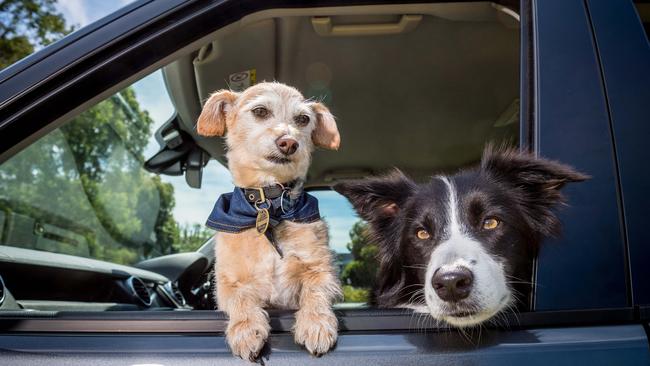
249,273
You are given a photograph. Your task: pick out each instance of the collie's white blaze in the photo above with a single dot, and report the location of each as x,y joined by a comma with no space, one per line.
489,293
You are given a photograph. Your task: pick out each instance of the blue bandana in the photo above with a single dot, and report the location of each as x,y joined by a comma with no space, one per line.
233,213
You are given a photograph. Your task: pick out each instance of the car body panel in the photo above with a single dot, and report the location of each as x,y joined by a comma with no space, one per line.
586,266
625,58
625,344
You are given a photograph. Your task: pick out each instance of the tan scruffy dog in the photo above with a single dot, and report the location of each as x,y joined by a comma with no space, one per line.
279,256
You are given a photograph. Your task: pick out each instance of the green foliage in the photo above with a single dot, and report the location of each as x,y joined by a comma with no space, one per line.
362,270
353,294
107,142
360,274
27,25
166,228
192,237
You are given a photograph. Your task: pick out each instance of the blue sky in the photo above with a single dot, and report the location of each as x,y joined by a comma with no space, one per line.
194,205
83,12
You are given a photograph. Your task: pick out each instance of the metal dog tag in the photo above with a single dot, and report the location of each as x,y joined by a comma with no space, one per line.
262,221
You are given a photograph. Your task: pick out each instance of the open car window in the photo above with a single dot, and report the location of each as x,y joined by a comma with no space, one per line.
425,99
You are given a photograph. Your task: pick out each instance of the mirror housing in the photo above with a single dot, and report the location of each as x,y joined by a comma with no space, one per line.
178,154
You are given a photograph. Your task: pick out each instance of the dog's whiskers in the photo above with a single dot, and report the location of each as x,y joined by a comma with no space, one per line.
415,284
521,282
416,266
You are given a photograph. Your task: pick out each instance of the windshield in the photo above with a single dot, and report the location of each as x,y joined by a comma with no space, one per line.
82,189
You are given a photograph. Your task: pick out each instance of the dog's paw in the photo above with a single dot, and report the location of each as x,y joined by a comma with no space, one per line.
246,338
316,331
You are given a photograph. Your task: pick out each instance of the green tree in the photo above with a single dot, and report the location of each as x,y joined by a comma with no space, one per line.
85,180
107,143
360,274
192,237
25,26
166,227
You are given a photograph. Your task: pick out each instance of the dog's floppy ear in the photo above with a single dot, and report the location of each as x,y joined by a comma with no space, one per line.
212,121
538,182
378,198
326,134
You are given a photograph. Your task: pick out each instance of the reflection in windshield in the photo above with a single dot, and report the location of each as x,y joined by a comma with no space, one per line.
81,189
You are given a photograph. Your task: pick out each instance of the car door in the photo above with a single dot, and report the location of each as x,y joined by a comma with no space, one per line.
582,309
624,56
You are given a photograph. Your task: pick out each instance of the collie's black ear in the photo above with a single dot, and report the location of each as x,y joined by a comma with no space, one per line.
377,198
536,180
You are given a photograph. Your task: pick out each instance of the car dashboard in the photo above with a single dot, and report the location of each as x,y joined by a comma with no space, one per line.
40,281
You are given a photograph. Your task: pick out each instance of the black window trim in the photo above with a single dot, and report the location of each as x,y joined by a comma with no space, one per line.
527,122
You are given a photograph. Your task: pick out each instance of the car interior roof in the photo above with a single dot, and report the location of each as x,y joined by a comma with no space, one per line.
424,99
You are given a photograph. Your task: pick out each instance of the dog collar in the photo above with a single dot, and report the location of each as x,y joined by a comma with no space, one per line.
234,212
271,192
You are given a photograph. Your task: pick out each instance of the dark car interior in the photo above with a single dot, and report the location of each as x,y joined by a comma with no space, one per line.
412,86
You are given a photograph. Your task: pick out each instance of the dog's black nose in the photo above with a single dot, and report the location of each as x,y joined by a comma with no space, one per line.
453,285
287,145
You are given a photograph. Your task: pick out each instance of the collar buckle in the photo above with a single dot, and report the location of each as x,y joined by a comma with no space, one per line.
262,198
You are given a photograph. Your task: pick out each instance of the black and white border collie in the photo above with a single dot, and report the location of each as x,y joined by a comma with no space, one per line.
461,247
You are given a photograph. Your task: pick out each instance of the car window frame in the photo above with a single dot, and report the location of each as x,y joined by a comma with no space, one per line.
120,56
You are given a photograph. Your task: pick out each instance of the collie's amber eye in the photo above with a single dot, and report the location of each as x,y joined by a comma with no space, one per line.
260,112
491,223
423,234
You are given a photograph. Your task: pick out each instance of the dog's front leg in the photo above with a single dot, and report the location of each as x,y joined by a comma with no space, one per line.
243,284
316,325
248,326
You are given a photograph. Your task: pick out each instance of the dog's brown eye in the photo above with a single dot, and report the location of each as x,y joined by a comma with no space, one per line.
301,120
260,112
491,223
423,234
